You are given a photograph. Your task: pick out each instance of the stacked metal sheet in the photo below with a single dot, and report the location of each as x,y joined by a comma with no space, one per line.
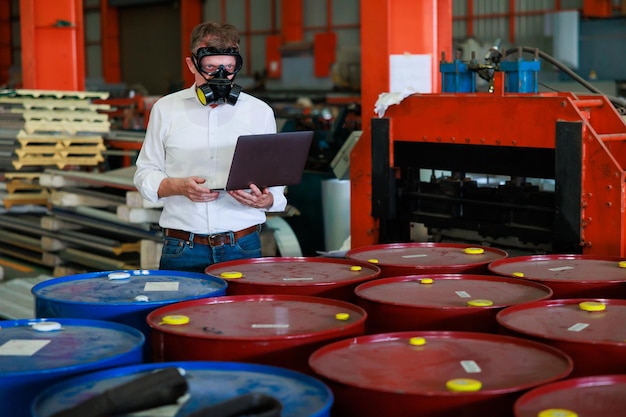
40,128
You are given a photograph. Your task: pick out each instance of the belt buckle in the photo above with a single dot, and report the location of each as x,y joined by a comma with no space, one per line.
218,239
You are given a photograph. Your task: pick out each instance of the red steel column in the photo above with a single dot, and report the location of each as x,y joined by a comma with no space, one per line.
110,37
190,16
53,51
292,21
5,41
390,27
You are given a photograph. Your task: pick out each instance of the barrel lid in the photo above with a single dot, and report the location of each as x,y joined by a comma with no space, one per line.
562,267
426,254
208,383
452,291
127,287
593,396
258,317
294,271
596,321
31,346
390,362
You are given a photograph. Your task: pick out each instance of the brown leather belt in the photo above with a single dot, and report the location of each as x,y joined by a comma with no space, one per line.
218,239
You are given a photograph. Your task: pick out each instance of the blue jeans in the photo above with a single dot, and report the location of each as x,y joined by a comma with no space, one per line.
180,255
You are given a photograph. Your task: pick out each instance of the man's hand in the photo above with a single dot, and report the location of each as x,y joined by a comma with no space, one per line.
255,197
189,187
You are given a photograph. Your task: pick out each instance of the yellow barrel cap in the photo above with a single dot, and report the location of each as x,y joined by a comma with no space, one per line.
464,385
557,412
231,274
355,268
342,316
592,306
474,251
372,261
622,264
480,303
518,274
175,320
417,341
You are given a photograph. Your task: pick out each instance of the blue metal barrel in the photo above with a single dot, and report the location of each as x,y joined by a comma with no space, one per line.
208,384
36,353
124,296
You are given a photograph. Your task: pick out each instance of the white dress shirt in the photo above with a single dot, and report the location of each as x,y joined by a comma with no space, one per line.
185,138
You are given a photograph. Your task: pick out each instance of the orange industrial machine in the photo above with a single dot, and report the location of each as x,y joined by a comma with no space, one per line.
577,142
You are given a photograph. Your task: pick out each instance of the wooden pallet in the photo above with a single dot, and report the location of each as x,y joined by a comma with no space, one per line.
62,115
53,104
58,160
20,199
72,127
58,94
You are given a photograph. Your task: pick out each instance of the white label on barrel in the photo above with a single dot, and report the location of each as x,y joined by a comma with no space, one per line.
297,279
416,255
462,294
22,347
470,367
578,327
161,286
560,268
269,326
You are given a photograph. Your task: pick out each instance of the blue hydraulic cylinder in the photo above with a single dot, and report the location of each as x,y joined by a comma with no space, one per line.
521,76
456,77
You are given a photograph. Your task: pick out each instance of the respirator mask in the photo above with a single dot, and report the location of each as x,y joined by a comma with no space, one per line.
219,88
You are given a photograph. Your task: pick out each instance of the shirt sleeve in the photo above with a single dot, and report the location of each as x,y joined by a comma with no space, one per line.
151,159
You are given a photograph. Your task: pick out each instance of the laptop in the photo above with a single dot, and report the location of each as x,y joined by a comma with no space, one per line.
269,159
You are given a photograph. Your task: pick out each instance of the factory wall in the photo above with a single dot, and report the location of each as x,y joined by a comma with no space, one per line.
150,33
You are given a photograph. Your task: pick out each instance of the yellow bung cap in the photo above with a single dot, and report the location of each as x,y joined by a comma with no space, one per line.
557,412
622,264
474,251
480,303
342,316
464,385
355,268
175,320
518,274
417,341
592,306
372,261
231,274
426,281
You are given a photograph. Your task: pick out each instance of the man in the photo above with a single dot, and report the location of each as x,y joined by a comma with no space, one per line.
186,155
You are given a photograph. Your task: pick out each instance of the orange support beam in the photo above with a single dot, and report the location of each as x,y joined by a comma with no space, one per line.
110,33
597,8
5,42
53,52
272,55
390,27
324,46
190,17
292,21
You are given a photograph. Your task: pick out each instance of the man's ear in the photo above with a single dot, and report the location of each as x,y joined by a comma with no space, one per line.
190,64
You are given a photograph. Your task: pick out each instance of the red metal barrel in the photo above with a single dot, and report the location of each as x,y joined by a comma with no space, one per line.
463,302
569,276
399,259
594,396
323,277
279,330
429,374
590,331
